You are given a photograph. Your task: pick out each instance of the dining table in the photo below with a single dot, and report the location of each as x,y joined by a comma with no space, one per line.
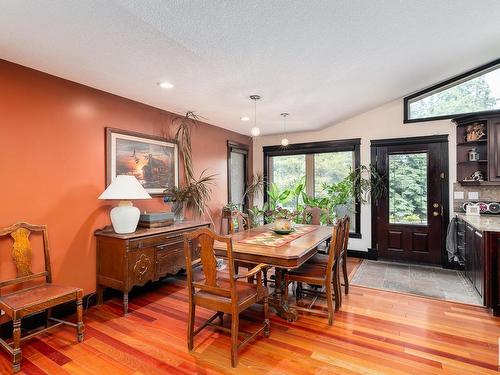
281,251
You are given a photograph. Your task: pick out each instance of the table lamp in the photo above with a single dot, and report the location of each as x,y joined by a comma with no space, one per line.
125,216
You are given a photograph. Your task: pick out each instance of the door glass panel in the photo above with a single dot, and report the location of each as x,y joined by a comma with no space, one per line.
237,178
408,188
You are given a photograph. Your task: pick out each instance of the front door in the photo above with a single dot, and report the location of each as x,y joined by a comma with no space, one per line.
410,217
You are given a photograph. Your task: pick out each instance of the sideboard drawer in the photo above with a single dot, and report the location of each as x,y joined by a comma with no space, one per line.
141,266
161,240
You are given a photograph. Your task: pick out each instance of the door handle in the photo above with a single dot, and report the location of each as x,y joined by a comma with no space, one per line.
435,213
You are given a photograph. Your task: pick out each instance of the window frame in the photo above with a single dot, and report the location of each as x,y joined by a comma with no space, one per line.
352,144
441,86
244,150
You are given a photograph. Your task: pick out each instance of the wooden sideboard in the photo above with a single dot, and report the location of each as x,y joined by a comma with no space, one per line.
128,260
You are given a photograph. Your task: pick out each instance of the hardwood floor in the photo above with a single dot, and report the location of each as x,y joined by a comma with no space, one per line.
376,332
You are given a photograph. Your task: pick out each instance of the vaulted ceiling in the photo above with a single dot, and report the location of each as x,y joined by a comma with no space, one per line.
321,61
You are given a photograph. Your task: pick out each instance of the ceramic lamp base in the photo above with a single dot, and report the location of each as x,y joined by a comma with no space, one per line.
125,217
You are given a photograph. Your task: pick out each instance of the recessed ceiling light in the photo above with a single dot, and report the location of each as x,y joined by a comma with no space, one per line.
165,85
245,118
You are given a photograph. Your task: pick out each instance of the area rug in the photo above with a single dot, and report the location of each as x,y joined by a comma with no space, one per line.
426,281
270,238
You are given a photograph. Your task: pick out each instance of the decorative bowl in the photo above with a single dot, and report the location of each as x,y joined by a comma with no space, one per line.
277,231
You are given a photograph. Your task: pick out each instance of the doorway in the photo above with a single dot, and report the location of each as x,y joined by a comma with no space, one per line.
409,222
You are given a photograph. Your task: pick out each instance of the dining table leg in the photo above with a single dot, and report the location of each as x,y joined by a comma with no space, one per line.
278,302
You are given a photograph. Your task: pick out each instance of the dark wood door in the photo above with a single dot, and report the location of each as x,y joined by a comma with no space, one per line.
410,216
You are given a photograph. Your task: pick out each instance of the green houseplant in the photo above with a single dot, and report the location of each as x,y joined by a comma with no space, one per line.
361,185
192,196
194,193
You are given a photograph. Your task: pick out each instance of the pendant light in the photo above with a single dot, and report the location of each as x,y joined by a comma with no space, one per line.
255,130
284,140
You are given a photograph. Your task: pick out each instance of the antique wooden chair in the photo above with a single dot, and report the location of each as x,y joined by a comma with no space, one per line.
243,223
321,259
318,275
36,298
313,215
219,292
229,219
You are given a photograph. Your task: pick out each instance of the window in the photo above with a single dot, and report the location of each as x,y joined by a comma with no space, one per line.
237,172
408,188
331,167
318,163
474,91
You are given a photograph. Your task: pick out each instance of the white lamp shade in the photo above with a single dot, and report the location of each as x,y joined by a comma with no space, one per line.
125,187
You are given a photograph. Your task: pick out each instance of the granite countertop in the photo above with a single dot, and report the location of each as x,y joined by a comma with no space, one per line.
486,223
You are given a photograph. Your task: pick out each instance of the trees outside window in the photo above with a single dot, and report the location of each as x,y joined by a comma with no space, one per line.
475,91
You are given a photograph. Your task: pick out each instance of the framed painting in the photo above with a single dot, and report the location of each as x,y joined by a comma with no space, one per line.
154,161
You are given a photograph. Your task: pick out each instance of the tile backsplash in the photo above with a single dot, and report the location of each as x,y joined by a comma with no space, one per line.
485,193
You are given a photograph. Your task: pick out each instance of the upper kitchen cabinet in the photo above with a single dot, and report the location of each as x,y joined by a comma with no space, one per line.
478,148
493,149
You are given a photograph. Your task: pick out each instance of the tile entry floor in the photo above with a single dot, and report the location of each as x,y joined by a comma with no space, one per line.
427,281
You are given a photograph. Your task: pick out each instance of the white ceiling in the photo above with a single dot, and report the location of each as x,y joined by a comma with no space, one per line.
322,61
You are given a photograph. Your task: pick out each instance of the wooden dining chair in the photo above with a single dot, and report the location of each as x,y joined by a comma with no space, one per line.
243,223
229,219
322,260
34,298
317,275
313,216
225,294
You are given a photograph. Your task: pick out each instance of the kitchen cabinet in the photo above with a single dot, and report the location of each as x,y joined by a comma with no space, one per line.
481,259
492,271
474,259
494,149
488,148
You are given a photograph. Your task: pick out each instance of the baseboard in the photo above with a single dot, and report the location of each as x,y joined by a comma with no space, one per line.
370,254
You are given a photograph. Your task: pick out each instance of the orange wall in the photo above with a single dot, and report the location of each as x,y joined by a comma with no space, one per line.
52,162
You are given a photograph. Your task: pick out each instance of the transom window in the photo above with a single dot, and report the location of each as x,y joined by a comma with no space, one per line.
474,91
316,164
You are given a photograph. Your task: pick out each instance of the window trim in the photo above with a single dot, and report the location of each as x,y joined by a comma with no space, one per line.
244,150
352,144
473,73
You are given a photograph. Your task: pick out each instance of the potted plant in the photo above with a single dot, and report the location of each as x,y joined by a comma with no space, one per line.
361,184
192,196
282,218
341,196
195,193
